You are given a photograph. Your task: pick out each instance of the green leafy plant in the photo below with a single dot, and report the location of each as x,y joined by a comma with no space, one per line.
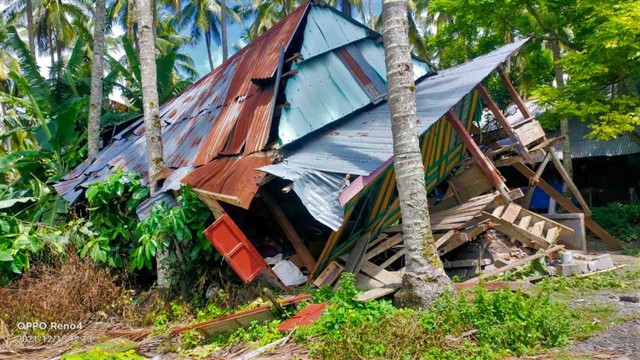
179,231
622,221
113,220
20,241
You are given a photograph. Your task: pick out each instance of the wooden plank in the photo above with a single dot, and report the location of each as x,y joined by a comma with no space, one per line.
504,122
379,274
569,182
530,132
457,240
212,204
570,207
522,235
392,259
513,265
444,238
386,245
513,92
378,292
497,212
465,263
329,275
537,228
552,235
289,230
356,256
487,167
524,222
512,212
548,223
533,182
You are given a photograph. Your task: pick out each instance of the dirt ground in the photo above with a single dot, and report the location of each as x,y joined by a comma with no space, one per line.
619,340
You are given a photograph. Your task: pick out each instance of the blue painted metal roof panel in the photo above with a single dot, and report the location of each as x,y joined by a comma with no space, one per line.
362,143
328,88
327,30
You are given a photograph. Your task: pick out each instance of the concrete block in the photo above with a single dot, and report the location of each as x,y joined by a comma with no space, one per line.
577,241
584,264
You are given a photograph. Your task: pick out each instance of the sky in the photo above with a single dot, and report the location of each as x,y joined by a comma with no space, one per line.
197,51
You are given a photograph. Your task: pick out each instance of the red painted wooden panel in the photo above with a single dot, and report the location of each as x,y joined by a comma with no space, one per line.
234,246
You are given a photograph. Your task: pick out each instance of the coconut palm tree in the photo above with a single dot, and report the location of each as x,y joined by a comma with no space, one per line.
97,71
150,100
21,13
424,278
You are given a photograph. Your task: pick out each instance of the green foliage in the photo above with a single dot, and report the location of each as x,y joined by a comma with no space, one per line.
620,220
179,230
102,354
112,215
20,241
503,322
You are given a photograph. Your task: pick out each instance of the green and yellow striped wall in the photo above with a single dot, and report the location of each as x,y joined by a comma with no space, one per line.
376,207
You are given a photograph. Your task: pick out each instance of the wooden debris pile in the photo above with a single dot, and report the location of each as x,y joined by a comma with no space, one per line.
482,227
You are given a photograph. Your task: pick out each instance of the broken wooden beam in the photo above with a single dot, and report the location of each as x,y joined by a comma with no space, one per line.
514,93
504,122
487,167
289,230
570,207
569,182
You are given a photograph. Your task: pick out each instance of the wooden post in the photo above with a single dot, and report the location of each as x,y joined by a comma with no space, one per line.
495,110
533,182
289,230
513,92
570,207
485,165
569,182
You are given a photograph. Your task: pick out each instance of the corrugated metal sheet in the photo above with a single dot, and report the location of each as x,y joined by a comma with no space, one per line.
364,143
327,30
583,147
360,145
235,177
333,85
317,190
225,112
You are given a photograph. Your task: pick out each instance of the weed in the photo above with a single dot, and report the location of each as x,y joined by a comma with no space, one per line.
101,354
66,293
591,319
502,323
620,220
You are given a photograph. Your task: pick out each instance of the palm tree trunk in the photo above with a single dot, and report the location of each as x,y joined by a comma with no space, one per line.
97,71
30,30
153,127
424,279
223,29
371,23
564,123
207,41
52,50
150,104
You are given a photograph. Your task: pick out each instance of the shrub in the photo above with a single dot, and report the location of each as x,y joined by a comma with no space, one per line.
500,323
619,220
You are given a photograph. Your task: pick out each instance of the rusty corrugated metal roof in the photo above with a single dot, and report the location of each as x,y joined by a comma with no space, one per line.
224,113
235,177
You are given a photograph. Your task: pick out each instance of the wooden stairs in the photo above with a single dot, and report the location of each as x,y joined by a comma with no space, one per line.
532,229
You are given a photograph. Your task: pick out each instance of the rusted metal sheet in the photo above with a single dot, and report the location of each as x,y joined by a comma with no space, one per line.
224,113
304,317
240,319
234,246
235,177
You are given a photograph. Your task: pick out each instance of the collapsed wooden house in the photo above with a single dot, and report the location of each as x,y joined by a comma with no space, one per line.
291,139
